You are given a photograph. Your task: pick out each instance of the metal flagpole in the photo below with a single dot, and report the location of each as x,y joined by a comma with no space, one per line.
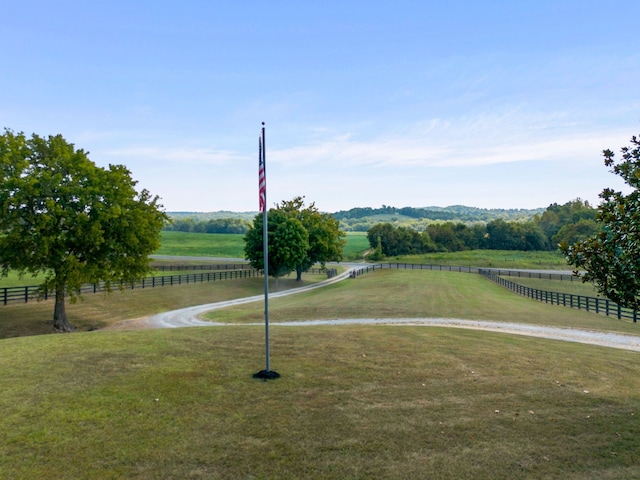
267,373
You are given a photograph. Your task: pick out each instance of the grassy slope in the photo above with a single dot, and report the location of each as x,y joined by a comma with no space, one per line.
353,402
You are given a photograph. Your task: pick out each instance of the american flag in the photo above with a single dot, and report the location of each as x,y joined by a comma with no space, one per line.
262,180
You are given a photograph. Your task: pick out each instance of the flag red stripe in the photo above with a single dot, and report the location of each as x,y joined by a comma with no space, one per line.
262,181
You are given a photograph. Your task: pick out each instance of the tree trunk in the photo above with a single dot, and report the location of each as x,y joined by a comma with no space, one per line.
60,320
298,274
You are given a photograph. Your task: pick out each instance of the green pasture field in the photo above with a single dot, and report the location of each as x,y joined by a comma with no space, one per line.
575,287
232,245
120,308
542,260
357,244
225,245
353,402
394,293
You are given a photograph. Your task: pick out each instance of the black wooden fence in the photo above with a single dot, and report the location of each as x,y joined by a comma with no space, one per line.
210,266
581,302
590,304
24,294
236,271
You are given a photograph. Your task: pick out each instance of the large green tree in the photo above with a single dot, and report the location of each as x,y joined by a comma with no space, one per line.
611,257
288,242
63,216
326,240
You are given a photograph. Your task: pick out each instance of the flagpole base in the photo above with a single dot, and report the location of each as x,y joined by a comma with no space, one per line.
266,375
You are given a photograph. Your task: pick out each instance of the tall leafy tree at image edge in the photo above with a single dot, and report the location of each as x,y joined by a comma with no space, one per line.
75,222
611,257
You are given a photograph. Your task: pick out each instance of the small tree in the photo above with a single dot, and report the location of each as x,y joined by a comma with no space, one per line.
288,242
77,223
611,257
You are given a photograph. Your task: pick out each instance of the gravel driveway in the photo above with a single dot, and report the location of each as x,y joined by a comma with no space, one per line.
189,317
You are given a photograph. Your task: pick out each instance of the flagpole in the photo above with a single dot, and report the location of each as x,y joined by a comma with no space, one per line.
267,373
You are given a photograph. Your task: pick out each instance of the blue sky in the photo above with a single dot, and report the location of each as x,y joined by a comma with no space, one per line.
492,104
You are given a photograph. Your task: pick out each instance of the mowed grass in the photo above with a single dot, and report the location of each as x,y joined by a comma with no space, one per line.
574,286
535,260
353,402
101,310
394,293
357,244
202,244
232,245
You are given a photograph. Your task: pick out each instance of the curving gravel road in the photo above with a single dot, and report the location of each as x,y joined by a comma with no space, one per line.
188,317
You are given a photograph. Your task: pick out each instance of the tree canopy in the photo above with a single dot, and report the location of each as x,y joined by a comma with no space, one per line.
324,241
62,215
288,242
611,257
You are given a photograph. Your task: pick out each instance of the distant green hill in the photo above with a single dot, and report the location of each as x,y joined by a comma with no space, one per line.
204,216
362,218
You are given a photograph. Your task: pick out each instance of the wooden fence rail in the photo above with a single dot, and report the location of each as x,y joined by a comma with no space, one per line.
581,302
590,304
24,294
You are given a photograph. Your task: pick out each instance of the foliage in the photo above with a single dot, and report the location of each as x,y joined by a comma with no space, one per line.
222,245
288,242
611,257
377,254
217,225
556,217
363,218
324,239
77,223
503,235
395,240
572,221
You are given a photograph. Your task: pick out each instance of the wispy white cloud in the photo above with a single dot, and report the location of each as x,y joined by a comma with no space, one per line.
473,141
177,155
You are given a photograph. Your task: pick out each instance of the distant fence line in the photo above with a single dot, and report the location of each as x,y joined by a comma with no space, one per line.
209,266
24,294
581,302
590,304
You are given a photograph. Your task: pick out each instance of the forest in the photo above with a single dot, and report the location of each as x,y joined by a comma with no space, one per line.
569,223
408,230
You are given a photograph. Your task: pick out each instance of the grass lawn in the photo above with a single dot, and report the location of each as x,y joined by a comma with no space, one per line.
576,287
202,244
354,402
491,258
421,293
357,244
232,245
96,311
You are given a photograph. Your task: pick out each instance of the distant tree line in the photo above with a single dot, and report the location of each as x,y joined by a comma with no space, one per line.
361,219
568,223
220,225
